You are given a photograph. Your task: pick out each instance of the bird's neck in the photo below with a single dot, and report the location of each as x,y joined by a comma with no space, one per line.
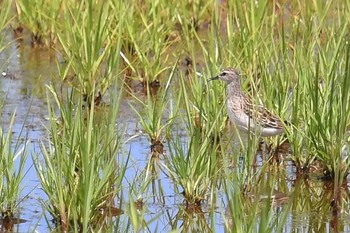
234,89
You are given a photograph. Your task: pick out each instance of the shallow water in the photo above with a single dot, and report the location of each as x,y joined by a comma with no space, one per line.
27,71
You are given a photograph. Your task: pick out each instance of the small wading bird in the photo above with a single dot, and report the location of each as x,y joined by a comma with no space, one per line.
247,117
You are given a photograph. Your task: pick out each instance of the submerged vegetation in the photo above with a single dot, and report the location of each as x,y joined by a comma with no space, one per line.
153,59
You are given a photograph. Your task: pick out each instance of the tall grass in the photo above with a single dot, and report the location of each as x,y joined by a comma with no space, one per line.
14,155
39,17
81,173
295,59
193,165
5,14
330,119
319,99
146,40
90,47
157,114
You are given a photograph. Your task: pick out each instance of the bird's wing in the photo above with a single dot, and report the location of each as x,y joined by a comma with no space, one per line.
261,115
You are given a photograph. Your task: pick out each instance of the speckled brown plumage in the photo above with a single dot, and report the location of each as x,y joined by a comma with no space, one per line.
246,115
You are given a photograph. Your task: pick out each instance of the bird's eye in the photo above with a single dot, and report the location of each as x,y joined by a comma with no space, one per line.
223,73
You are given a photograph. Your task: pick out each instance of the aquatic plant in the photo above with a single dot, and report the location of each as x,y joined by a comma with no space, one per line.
294,56
81,172
90,48
5,14
146,41
39,17
152,115
13,157
257,206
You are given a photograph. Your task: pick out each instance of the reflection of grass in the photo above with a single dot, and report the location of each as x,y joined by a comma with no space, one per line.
80,172
252,209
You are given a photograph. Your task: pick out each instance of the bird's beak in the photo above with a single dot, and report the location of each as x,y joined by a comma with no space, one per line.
213,78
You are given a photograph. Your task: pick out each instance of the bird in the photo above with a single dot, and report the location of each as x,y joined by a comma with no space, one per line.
243,112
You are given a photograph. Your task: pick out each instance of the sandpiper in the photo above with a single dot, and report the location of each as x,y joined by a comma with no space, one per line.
250,118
